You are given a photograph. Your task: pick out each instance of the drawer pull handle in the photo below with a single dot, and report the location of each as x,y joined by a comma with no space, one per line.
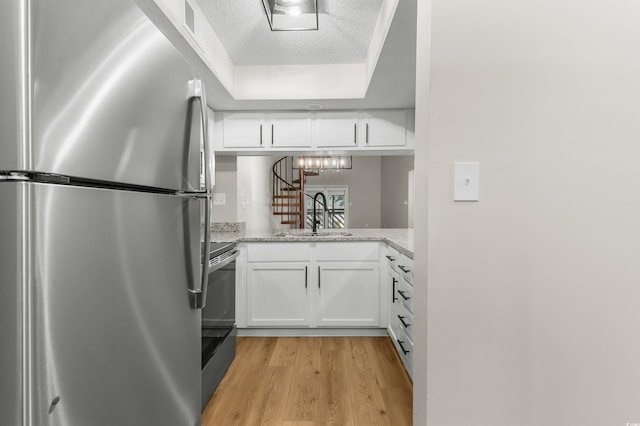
401,318
393,293
404,351
391,258
403,296
403,269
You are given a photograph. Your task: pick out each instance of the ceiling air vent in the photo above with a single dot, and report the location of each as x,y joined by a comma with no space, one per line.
192,23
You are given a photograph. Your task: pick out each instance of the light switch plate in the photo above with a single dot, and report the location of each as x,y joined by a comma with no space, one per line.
219,199
466,181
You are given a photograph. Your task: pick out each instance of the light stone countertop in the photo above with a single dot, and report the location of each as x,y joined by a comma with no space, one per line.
400,239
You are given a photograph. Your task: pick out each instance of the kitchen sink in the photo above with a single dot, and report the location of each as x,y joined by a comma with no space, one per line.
311,234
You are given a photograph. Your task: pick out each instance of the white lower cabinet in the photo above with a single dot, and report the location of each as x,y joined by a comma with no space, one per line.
404,345
327,285
277,294
304,285
394,303
348,294
400,280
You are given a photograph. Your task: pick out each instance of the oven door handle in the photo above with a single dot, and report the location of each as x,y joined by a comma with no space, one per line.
215,266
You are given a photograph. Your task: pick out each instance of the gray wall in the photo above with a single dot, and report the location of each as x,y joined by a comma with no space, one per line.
246,181
226,181
254,192
532,308
394,203
364,190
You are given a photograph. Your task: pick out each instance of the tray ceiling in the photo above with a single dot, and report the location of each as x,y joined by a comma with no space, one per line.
343,37
362,56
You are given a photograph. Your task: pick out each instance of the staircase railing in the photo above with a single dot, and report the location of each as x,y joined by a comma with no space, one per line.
288,193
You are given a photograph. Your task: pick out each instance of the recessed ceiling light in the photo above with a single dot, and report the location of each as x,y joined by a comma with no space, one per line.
314,107
291,15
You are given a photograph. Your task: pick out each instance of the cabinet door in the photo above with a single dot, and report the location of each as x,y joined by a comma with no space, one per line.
384,128
291,130
277,294
348,294
243,130
336,129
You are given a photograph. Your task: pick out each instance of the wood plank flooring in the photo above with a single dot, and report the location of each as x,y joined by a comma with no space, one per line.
312,381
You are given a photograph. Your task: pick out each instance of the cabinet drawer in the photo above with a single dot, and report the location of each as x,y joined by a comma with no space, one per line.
348,251
278,252
405,265
392,257
405,318
405,294
405,350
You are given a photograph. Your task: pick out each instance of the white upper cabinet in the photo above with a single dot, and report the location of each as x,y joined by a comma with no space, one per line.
291,130
339,131
384,128
336,129
242,130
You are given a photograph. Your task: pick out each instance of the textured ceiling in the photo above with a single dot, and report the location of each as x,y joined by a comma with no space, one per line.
343,37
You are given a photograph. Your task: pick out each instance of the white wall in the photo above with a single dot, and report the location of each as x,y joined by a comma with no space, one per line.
421,219
212,52
533,292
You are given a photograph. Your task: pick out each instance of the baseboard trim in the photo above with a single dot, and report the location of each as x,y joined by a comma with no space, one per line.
311,332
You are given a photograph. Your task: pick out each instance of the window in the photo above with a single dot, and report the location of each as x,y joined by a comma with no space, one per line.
337,214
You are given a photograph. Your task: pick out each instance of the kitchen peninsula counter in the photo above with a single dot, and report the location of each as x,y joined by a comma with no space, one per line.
400,239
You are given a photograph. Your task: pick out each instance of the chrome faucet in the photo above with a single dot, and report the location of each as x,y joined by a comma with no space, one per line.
314,231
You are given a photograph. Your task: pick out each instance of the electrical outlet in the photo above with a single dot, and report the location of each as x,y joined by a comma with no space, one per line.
219,199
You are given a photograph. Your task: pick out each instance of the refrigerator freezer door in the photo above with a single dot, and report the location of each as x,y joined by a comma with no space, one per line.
110,97
10,302
10,84
114,338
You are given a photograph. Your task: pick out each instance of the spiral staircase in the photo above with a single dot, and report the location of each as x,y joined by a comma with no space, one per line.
288,191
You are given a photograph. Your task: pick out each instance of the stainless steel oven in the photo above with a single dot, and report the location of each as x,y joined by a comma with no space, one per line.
219,317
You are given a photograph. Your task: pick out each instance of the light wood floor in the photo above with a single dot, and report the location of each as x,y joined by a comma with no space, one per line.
310,381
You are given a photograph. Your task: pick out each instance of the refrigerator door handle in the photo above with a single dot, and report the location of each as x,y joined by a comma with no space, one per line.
198,296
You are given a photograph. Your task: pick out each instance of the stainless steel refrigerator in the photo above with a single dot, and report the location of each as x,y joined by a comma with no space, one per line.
103,213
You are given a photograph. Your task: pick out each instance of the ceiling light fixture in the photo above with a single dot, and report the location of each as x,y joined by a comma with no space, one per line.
291,15
322,162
